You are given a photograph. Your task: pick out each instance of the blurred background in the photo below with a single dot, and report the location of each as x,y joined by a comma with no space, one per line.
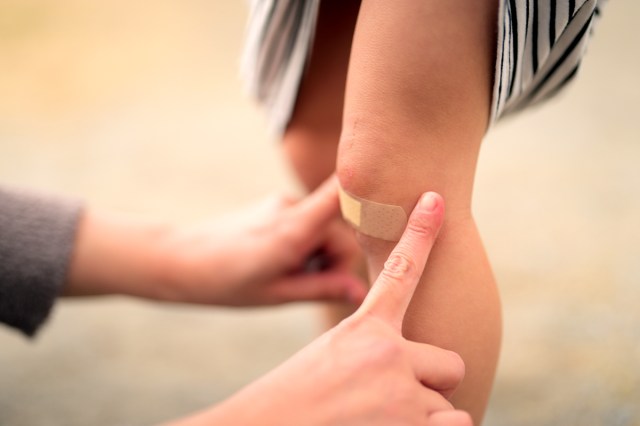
136,106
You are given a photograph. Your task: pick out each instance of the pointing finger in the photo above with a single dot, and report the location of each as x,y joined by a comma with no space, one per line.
393,289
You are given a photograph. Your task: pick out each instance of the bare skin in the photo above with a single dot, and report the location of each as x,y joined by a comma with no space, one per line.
416,107
362,372
255,257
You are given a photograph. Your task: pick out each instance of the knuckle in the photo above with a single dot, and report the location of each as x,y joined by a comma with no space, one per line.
385,352
289,200
276,202
291,235
421,226
398,266
291,243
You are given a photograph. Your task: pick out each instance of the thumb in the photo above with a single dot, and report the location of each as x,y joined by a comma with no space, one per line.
318,208
450,418
393,289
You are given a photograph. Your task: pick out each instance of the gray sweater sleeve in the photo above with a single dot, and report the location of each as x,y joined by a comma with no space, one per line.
37,235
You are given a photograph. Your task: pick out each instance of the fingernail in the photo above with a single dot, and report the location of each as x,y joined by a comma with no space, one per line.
429,202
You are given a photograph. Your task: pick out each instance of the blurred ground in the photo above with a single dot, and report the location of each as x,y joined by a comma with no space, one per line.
140,109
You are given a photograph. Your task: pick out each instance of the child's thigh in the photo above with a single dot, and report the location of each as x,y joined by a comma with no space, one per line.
311,138
312,135
418,99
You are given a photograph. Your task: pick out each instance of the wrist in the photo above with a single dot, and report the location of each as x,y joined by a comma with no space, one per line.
167,265
224,413
115,255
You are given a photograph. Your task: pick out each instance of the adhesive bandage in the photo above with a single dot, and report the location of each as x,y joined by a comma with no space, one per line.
384,221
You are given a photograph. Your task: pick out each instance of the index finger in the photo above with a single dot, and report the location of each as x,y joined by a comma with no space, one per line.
392,291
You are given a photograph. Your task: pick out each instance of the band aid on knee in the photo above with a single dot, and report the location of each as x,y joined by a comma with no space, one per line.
384,221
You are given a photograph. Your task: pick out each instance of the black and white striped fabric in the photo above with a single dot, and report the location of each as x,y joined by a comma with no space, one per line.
540,46
278,42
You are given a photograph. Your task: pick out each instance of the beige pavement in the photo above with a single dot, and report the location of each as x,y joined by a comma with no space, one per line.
140,109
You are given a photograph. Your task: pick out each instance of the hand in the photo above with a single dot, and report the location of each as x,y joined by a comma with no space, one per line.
278,251
362,371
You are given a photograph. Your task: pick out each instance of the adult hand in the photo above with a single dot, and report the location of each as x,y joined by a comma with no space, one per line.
278,251
281,250
362,371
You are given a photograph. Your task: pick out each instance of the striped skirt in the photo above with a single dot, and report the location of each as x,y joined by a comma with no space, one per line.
540,47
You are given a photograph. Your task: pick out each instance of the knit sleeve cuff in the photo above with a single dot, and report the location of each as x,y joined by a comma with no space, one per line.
37,235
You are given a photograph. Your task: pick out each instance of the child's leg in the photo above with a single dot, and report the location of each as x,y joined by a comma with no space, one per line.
417,106
311,139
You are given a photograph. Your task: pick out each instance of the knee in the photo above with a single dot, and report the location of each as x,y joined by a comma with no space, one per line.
369,169
365,168
389,170
368,177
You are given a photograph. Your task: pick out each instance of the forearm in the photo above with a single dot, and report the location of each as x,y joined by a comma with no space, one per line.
117,255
